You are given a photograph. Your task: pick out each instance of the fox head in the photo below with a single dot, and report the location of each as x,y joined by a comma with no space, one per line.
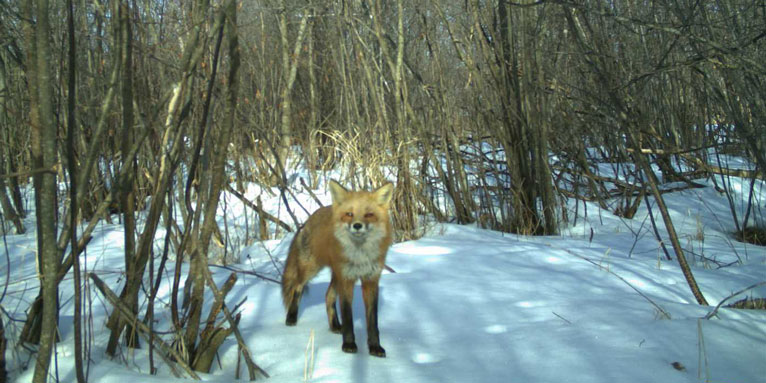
359,214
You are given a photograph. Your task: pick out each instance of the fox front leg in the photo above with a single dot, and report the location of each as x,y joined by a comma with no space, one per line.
346,290
370,295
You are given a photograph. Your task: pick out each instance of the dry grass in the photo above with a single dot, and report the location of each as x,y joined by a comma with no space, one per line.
752,235
750,304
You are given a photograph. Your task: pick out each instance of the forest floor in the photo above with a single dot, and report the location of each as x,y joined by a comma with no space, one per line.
597,303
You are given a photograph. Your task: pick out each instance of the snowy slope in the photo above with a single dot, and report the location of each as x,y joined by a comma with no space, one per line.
471,305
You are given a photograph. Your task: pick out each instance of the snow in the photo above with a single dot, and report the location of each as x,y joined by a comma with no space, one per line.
463,305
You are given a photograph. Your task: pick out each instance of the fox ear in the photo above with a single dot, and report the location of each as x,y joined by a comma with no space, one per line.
384,194
338,192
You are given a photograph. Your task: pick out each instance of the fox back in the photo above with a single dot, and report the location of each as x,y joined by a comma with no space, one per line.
351,237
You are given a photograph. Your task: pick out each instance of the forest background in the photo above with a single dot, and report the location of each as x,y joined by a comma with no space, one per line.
487,112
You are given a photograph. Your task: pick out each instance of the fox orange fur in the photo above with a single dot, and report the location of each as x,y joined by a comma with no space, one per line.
351,237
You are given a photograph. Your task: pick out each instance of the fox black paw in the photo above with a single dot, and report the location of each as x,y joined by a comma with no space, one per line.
377,351
349,348
291,320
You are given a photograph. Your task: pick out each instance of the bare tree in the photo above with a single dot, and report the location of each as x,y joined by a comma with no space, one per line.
71,168
44,154
291,53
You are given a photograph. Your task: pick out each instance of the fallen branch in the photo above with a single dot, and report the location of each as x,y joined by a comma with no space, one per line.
743,173
718,306
143,329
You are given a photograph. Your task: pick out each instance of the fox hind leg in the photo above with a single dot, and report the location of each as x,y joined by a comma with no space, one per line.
298,271
294,300
332,313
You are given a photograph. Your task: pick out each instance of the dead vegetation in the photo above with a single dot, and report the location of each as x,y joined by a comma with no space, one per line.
752,235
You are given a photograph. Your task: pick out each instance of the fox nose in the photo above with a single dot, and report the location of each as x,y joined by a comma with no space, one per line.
357,226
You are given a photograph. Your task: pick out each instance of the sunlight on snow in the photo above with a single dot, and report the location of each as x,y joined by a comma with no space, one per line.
324,371
496,329
422,358
529,304
553,259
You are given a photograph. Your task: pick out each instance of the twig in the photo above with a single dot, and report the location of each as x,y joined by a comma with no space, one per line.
718,306
311,193
143,329
254,273
260,211
561,317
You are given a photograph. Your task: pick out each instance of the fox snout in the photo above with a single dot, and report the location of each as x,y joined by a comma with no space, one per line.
359,229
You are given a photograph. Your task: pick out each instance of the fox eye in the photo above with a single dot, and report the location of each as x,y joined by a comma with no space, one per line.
369,215
349,214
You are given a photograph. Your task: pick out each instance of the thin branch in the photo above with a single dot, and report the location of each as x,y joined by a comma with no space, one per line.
52,170
253,206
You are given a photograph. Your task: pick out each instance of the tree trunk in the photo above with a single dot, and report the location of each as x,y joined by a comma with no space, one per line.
290,70
127,194
73,210
45,191
31,330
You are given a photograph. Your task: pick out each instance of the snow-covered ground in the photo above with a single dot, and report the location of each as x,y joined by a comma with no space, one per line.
599,303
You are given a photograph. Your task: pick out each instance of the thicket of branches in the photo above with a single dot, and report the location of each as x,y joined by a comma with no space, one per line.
493,112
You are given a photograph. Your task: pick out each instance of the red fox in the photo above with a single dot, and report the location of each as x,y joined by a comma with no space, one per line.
352,237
